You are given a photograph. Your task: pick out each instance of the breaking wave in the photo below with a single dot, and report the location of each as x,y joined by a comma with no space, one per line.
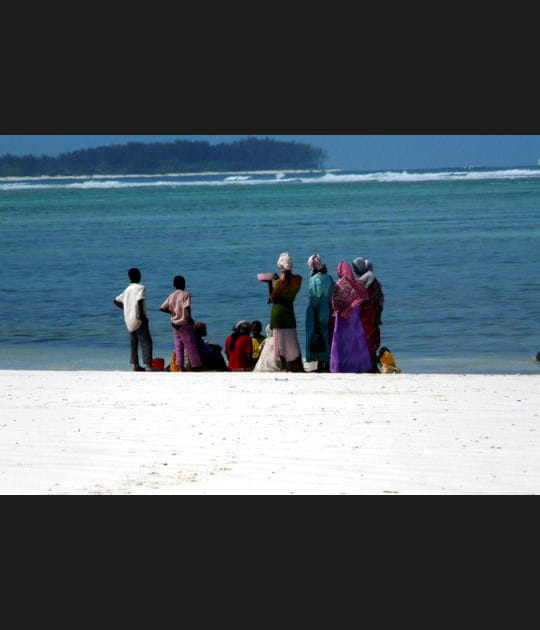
277,177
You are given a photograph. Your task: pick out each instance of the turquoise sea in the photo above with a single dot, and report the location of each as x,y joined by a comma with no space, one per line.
456,250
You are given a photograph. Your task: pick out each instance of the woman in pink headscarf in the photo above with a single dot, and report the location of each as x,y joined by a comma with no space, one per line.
349,352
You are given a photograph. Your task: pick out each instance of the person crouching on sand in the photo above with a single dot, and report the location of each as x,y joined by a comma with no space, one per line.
178,305
257,339
239,348
387,362
212,359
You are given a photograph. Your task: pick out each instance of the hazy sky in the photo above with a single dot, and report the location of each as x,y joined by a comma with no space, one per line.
355,152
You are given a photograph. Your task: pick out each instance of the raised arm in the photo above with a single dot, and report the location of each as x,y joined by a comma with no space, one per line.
271,286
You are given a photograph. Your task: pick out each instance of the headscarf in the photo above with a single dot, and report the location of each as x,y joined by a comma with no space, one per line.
360,266
364,270
243,327
315,262
285,262
348,291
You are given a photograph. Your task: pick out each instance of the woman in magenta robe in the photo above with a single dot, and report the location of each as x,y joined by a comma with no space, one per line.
349,352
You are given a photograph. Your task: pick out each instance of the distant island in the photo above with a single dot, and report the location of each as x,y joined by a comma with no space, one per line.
181,156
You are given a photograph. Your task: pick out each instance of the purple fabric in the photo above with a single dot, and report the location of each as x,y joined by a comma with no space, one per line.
184,340
349,351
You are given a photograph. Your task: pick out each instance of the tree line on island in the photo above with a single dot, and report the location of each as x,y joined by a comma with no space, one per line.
181,156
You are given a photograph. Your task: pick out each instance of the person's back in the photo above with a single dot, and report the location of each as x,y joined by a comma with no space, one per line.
240,356
239,348
282,298
349,351
178,306
130,298
282,315
318,314
320,290
364,270
132,301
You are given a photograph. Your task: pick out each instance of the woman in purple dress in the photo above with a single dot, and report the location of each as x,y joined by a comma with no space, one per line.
349,352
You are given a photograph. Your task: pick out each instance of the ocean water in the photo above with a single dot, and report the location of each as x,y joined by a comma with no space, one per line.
455,250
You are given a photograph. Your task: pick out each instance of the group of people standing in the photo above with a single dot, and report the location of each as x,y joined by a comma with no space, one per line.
132,301
191,350
342,321
343,317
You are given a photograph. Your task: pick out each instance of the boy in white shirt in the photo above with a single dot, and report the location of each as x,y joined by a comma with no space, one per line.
132,302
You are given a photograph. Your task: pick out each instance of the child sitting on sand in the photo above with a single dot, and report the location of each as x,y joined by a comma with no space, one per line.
387,362
239,348
257,339
210,352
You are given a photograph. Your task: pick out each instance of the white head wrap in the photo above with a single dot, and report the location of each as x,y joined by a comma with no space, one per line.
285,262
315,262
364,269
242,327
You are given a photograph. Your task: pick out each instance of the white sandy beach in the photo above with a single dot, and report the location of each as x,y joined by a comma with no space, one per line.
118,433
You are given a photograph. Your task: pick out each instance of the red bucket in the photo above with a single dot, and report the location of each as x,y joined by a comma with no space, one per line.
158,364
